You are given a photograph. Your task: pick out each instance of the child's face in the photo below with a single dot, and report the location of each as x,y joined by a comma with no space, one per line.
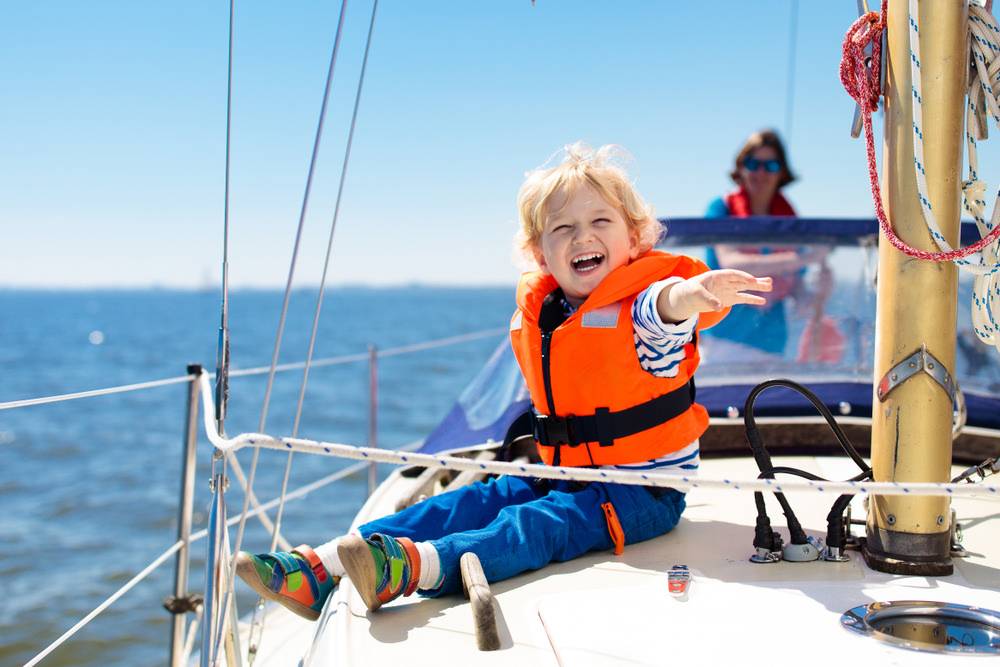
584,239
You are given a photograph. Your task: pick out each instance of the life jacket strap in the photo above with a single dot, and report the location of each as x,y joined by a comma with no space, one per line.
604,426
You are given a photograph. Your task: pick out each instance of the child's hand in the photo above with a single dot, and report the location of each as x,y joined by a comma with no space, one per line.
710,291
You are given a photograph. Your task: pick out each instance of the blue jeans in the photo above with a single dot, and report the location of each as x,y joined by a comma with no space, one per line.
515,524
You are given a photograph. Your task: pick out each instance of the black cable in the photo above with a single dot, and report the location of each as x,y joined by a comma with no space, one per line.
750,423
763,535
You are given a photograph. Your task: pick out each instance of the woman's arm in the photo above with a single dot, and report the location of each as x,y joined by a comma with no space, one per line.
777,261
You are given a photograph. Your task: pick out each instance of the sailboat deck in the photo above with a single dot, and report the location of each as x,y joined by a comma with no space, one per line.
605,609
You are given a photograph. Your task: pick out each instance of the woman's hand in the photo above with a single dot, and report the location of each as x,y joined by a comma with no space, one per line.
710,291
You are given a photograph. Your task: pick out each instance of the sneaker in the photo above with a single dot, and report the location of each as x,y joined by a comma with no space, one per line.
381,567
297,580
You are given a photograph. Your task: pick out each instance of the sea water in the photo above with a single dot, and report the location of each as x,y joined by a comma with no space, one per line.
89,489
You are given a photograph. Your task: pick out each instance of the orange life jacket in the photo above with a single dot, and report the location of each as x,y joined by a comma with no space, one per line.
593,402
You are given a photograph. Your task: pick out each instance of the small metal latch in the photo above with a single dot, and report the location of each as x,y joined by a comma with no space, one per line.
921,360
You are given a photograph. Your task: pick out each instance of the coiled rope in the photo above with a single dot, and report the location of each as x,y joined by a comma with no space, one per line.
861,76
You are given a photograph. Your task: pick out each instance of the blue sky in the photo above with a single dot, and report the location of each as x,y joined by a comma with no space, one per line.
113,128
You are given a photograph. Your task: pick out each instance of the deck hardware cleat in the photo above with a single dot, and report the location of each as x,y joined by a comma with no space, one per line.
934,627
803,553
678,580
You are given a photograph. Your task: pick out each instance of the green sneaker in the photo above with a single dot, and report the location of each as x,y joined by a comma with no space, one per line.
297,580
382,567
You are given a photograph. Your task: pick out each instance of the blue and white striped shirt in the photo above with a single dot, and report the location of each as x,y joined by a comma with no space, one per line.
660,346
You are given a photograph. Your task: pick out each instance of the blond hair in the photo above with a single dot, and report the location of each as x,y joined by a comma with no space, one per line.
582,165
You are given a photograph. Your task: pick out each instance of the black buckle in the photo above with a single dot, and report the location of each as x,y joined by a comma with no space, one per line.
552,431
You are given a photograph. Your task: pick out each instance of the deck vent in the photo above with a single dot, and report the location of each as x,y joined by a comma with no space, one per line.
936,627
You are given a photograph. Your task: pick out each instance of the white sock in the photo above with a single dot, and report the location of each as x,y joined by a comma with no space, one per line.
331,561
430,566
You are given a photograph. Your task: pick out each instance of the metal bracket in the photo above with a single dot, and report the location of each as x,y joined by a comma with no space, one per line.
919,361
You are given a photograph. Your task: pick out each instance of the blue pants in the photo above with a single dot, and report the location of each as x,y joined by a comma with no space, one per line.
515,524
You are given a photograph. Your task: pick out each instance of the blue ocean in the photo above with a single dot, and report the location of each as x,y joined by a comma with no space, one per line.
90,488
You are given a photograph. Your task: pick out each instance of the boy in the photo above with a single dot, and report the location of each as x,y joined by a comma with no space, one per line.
604,334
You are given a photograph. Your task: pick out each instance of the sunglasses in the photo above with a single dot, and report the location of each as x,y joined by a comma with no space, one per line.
770,166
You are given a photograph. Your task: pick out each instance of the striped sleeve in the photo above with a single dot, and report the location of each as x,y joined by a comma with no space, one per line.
686,459
659,345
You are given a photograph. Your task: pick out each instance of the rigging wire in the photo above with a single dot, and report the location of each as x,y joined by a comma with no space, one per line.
222,356
291,268
284,305
793,40
254,624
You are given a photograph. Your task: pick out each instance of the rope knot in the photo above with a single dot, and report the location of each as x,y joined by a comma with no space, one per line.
859,73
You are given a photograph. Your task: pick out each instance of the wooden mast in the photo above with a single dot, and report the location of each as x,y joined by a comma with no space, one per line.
911,425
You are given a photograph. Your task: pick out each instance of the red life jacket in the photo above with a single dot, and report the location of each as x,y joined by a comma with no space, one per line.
594,404
738,204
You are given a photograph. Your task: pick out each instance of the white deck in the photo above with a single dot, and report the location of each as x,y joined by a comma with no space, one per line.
608,610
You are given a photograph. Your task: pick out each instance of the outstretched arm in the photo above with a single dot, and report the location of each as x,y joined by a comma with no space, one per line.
709,291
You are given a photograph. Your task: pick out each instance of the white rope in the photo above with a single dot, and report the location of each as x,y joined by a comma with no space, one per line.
667,480
440,342
984,37
10,405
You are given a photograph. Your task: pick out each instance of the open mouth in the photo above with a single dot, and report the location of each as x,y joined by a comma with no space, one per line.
587,263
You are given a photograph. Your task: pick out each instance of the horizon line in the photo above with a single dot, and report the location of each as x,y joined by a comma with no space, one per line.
248,288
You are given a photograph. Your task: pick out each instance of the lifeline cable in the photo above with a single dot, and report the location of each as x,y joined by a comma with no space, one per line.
664,480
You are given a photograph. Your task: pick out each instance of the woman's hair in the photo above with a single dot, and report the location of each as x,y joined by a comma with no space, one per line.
582,165
757,140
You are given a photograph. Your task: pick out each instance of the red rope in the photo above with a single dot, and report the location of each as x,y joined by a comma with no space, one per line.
861,81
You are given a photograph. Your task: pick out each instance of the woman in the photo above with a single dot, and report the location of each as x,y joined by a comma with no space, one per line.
760,171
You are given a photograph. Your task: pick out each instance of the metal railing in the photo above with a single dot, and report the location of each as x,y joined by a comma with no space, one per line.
181,603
